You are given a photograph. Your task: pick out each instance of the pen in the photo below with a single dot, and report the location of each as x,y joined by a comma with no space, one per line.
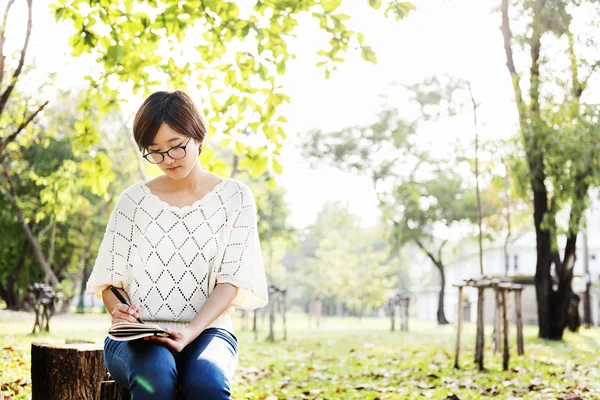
122,300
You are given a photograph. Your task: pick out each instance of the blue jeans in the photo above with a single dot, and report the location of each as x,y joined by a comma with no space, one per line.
150,371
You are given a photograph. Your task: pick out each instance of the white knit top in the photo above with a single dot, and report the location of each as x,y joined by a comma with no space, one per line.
168,259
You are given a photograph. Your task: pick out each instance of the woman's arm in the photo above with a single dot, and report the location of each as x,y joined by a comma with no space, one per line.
219,300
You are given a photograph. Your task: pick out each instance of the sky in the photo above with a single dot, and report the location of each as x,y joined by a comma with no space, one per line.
456,37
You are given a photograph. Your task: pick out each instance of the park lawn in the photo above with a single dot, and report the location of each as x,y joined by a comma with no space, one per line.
349,358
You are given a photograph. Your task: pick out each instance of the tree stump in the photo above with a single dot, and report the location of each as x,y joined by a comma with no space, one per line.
110,390
65,372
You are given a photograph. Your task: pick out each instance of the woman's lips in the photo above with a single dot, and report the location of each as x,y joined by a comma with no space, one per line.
174,168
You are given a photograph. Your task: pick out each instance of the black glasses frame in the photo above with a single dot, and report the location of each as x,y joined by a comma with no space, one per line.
162,153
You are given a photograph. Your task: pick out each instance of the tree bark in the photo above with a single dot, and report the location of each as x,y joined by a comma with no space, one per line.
65,372
587,307
9,294
441,317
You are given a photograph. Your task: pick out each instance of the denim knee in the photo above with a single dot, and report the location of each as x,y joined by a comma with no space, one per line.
206,382
146,369
154,380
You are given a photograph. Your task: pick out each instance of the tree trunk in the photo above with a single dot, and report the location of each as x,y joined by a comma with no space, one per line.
9,294
65,372
508,228
587,307
554,307
478,192
441,316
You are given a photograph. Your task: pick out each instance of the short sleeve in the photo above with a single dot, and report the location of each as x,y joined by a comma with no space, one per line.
242,264
117,252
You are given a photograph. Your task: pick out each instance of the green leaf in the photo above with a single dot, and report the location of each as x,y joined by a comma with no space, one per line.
239,149
376,4
330,5
281,67
368,54
277,166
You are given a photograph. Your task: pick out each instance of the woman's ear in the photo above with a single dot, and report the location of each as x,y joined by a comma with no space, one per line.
200,149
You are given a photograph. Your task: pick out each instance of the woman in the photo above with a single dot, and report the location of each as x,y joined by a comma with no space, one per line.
184,248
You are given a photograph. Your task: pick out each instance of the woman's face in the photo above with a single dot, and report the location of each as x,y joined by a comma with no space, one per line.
165,139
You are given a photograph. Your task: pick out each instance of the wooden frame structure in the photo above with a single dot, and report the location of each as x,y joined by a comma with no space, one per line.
43,299
398,305
502,287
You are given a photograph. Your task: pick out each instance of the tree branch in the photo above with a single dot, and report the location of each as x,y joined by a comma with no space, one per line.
14,135
581,189
431,257
440,250
15,77
2,38
510,64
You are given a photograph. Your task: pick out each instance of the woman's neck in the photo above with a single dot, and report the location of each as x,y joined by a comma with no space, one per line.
194,180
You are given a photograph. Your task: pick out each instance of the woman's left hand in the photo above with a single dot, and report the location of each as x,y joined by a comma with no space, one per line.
176,341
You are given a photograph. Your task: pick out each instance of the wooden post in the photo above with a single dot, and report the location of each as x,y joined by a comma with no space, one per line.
392,309
506,354
65,372
272,306
497,321
407,303
319,309
520,345
479,343
458,327
283,311
255,325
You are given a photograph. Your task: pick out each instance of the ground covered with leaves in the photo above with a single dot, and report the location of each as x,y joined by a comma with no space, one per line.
352,359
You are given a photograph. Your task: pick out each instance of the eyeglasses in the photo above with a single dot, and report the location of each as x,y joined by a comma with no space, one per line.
176,153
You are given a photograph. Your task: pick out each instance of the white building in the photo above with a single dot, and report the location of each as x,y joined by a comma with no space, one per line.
522,261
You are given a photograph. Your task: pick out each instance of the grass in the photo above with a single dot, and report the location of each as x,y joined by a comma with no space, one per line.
349,358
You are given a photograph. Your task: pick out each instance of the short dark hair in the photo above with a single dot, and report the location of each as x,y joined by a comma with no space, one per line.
176,109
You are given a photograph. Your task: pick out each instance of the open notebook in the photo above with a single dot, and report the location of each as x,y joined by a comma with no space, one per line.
129,331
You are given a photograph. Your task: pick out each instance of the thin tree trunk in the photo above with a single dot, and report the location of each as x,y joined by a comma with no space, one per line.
478,192
50,256
508,227
234,171
441,317
83,265
587,310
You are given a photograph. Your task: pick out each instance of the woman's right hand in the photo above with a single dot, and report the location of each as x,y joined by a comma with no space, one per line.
125,313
